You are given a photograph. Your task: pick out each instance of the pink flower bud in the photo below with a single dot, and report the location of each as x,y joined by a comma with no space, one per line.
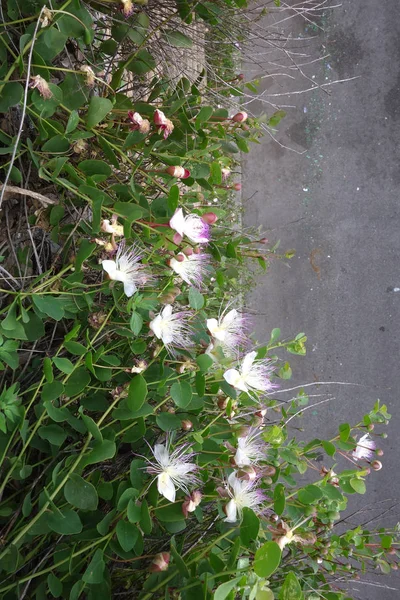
263,240
191,502
240,77
160,562
180,257
209,218
371,427
248,473
376,465
379,452
188,251
186,425
179,172
237,186
197,250
222,403
159,117
240,117
177,239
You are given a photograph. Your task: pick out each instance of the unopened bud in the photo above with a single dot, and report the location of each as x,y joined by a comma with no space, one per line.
248,473
209,218
274,518
240,77
222,403
267,480
237,186
188,251
394,566
240,117
191,502
160,562
384,436
177,239
319,560
197,250
371,427
334,481
263,240
269,470
379,452
180,257
376,465
179,172
186,425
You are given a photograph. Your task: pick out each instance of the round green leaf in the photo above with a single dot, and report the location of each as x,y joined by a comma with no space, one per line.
137,393
127,534
52,391
224,589
95,167
177,39
358,485
54,434
249,526
77,382
291,589
80,493
10,95
181,393
196,300
267,559
98,109
64,522
95,569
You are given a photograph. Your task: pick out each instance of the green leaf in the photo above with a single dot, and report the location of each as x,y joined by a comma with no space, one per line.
177,38
181,393
200,382
64,365
196,300
204,361
52,391
173,198
86,248
49,305
73,122
267,559
91,426
291,589
127,534
329,448
105,523
48,369
95,569
77,382
276,118
47,106
179,562
249,526
168,422
310,494
143,63
344,432
145,519
80,493
56,144
137,393
75,348
358,485
10,95
203,115
55,585
100,452
275,335
279,499
98,109
133,511
131,212
95,167
54,434
57,212
64,522
225,589
216,173
136,322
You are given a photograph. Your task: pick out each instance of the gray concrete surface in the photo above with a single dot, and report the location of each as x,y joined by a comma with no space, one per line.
336,201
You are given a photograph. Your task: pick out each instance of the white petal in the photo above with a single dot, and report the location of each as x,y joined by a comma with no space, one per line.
167,311
233,377
241,458
155,326
232,479
129,288
230,317
247,362
231,512
161,454
177,222
110,267
212,326
166,487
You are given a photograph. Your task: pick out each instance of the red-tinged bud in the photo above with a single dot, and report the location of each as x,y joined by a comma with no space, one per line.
394,566
371,427
222,403
269,470
240,77
223,492
197,250
392,550
191,502
186,425
160,562
247,473
376,465
180,257
334,481
237,186
178,172
188,251
209,218
240,117
379,452
177,239
274,518
245,127
263,240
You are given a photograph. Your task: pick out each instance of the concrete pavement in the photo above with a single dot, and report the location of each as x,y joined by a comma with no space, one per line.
335,200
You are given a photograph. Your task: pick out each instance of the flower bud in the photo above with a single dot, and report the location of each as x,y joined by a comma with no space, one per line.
237,186
379,452
240,117
177,239
90,76
225,173
334,481
197,250
188,251
209,218
248,473
394,566
191,502
384,436
376,465
222,403
240,77
186,425
319,560
269,471
223,492
371,427
179,172
180,257
263,240
42,87
160,562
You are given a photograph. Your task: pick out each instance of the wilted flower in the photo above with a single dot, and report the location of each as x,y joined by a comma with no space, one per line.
252,375
229,330
191,502
178,172
127,269
80,146
192,226
365,448
174,470
172,328
164,124
127,7
90,76
250,449
243,494
112,226
190,268
160,562
283,535
225,173
42,87
138,123
47,17
139,366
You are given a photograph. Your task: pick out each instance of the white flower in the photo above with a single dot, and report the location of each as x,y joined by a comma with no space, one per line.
250,449
365,448
174,470
127,269
190,268
228,331
192,226
253,375
172,328
243,494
